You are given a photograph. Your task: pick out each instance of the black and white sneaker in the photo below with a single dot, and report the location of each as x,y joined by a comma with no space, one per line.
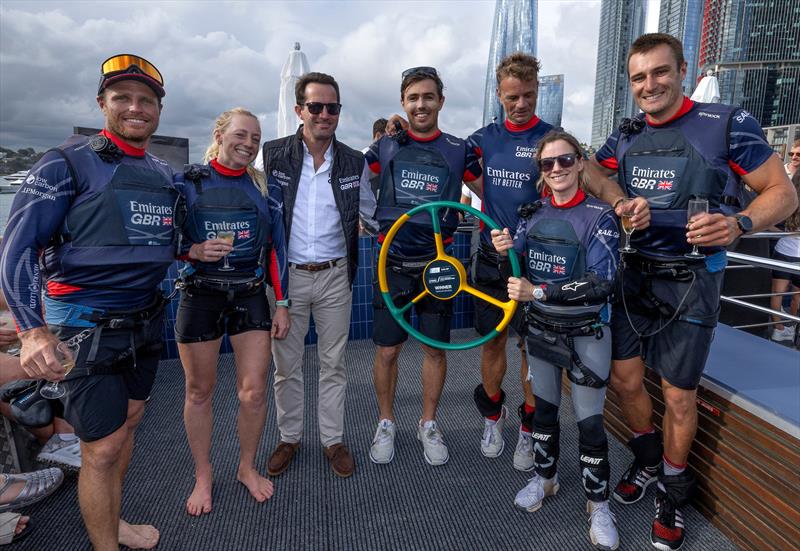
667,532
634,483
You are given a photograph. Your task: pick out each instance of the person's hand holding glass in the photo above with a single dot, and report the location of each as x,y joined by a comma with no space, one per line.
695,208
66,354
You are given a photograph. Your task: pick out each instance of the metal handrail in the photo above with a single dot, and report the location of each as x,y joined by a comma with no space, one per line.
764,262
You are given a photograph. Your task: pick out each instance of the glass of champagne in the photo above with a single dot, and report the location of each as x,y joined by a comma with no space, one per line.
66,354
627,225
226,236
696,206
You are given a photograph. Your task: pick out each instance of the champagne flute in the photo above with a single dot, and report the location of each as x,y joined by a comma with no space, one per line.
627,224
696,206
227,236
66,354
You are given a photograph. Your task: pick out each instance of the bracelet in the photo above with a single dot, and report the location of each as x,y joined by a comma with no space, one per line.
617,202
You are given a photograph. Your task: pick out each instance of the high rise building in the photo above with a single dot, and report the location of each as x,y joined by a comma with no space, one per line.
513,30
550,103
754,46
683,19
621,22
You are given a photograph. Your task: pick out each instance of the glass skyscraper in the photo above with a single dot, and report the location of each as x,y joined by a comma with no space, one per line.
550,103
621,22
683,19
754,46
513,30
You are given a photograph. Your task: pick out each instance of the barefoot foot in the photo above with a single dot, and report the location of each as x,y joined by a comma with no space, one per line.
137,536
260,488
199,502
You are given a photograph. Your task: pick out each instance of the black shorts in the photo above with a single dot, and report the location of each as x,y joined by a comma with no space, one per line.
777,274
486,277
434,315
206,315
96,405
678,352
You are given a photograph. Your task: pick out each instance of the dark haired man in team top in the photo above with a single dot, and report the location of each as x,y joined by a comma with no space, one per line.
419,167
100,211
675,150
507,150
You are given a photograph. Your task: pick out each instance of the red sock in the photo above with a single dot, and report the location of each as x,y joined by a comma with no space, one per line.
496,398
528,410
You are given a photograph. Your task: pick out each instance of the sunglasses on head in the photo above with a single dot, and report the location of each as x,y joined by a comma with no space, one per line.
425,71
126,63
315,108
564,161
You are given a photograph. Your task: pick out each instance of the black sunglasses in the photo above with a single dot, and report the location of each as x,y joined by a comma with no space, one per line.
315,108
425,71
565,161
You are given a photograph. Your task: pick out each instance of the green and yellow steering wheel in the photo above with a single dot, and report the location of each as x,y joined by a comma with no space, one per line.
443,278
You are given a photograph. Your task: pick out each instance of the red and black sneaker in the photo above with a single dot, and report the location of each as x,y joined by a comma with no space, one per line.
667,532
634,483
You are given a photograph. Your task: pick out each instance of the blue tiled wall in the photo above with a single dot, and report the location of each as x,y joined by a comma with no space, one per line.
361,318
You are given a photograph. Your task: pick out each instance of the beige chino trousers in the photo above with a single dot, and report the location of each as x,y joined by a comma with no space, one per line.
328,297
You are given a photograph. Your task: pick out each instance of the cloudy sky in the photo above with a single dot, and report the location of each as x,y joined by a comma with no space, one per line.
217,55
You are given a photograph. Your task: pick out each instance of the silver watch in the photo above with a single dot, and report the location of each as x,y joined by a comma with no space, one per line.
538,293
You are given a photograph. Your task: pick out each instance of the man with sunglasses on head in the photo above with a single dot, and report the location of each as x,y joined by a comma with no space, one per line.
100,279
418,166
318,187
669,304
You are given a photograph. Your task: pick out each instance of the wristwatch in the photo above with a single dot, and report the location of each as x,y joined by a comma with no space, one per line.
744,223
287,302
538,293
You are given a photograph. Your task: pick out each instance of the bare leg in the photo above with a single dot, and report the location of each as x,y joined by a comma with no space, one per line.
434,371
384,377
200,366
778,286
252,350
493,363
10,369
627,380
680,421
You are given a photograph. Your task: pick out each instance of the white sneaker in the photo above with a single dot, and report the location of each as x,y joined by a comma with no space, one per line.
382,450
523,455
492,443
61,452
785,334
603,529
531,496
432,442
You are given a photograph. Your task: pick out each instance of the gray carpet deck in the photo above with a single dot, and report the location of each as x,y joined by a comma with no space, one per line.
466,504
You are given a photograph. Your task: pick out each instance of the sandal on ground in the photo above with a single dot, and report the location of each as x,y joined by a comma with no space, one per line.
38,485
8,527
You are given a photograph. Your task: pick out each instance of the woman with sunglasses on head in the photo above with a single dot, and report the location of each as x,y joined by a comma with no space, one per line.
569,244
229,242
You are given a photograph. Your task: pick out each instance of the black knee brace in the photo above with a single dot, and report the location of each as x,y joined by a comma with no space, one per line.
545,449
647,449
485,405
591,432
595,471
679,488
525,418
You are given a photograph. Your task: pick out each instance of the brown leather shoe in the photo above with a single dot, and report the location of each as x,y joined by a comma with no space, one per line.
281,458
341,460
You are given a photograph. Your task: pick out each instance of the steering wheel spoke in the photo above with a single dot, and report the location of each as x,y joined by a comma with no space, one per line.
443,278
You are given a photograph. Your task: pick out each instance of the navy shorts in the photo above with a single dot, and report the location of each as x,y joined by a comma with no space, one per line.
96,405
777,274
486,277
434,315
206,315
679,351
